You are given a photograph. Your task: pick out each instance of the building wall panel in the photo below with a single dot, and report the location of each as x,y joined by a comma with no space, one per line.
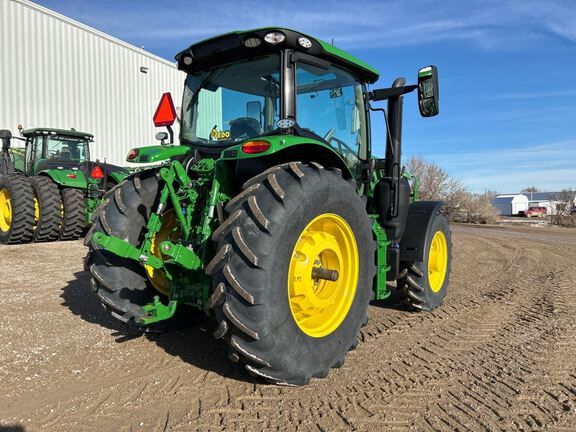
56,72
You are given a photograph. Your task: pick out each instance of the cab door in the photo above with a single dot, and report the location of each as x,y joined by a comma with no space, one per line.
34,147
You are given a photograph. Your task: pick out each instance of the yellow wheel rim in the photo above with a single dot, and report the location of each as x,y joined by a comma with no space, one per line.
36,211
437,261
5,210
318,305
168,231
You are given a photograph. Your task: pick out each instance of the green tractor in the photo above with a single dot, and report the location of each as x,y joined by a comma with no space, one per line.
49,189
272,216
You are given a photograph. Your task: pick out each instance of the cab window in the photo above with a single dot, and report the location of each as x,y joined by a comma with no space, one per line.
330,103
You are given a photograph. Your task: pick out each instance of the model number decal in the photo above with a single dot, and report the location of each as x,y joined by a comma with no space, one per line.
215,134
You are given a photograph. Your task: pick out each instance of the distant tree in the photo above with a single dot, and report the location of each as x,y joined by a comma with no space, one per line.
564,201
434,183
565,209
530,189
475,208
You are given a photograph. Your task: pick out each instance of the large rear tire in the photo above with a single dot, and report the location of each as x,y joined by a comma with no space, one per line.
285,325
73,214
47,204
16,210
424,283
123,285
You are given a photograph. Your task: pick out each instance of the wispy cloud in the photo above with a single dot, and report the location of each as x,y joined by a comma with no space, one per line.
489,24
549,166
531,95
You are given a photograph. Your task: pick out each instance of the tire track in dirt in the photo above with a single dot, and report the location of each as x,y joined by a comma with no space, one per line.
496,356
402,378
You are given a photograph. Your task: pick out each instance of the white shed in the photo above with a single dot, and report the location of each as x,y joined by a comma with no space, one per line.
510,205
56,72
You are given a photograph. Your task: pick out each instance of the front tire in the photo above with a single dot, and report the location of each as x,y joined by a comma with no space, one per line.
284,325
16,210
424,283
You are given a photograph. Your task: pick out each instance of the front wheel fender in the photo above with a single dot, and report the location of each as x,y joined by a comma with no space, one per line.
414,240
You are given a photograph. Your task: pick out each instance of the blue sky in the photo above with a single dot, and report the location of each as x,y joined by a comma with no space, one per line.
507,83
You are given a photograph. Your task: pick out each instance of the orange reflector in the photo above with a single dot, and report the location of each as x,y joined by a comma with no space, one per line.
132,154
252,147
97,173
71,176
165,113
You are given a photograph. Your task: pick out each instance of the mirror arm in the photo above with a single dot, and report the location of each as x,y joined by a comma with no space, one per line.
171,134
386,93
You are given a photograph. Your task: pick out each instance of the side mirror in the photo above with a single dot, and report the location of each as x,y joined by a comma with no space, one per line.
162,136
428,99
254,110
5,137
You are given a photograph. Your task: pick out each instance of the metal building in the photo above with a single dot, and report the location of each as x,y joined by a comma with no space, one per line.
510,205
56,72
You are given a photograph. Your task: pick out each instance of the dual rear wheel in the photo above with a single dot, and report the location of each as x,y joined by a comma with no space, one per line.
36,209
16,210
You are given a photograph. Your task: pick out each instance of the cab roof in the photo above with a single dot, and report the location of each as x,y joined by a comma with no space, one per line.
230,47
52,131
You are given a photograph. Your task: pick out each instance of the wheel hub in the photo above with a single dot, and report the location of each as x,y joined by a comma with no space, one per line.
36,210
5,210
437,261
168,231
323,274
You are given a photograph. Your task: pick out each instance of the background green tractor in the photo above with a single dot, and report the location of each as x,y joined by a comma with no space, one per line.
50,188
272,216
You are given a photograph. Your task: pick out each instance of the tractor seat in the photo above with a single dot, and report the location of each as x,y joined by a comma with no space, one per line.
65,153
244,128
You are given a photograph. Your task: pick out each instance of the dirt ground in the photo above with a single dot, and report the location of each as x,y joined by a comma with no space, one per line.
500,354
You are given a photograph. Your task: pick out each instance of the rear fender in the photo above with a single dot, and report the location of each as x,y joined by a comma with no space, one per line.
288,148
67,178
118,176
158,153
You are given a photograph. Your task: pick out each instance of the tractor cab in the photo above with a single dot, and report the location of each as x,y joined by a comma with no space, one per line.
266,83
53,148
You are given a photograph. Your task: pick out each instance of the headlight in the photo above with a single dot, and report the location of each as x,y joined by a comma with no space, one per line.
275,37
304,42
187,60
252,42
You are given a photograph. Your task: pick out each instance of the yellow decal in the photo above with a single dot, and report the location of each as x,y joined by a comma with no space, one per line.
215,134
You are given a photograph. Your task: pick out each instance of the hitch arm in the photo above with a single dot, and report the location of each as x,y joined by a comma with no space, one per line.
126,250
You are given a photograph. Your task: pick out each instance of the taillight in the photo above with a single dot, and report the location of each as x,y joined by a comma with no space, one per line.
97,173
132,154
71,176
252,147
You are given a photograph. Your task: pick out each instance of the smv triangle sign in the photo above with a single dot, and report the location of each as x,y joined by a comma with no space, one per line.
165,113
